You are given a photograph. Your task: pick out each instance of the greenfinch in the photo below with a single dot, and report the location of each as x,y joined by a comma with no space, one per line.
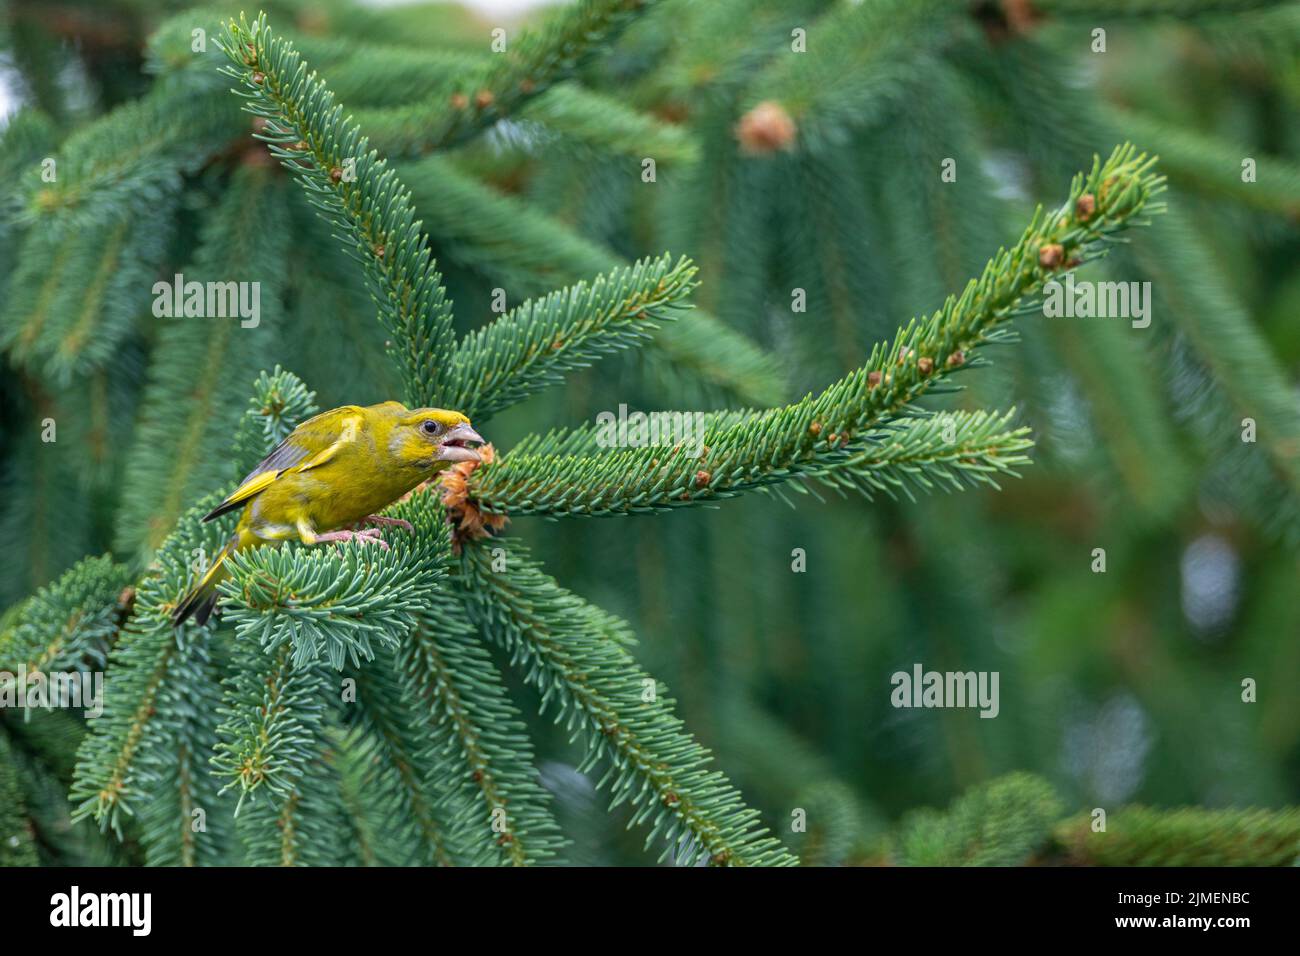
332,472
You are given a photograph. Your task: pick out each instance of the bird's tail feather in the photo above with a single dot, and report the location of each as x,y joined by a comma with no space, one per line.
202,598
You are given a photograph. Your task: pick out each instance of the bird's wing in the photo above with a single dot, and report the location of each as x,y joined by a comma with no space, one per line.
310,445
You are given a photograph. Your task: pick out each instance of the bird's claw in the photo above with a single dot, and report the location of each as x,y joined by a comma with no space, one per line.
381,521
367,536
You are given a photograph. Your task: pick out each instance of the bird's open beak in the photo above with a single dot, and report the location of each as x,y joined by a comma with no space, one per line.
454,448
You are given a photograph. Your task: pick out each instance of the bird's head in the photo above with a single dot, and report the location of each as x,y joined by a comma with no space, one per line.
433,438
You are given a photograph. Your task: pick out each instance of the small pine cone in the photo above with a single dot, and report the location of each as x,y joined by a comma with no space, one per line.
300,146
766,128
1051,255
925,364
336,174
1085,207
873,379
702,479
815,428
483,99
258,77
956,359
459,101
379,251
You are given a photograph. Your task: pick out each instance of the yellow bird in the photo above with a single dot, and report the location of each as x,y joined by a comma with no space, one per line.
334,471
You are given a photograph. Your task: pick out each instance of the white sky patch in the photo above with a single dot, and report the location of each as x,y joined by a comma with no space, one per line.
9,101
1210,572
487,8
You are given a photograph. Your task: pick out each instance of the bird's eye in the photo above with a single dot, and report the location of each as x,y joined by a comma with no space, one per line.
430,427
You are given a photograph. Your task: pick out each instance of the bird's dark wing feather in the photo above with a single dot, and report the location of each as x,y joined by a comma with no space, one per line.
310,444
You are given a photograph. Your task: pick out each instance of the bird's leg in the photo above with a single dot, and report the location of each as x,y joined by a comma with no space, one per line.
369,535
381,521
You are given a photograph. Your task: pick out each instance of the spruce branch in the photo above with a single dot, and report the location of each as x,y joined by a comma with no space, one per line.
447,670
364,71
183,791
70,623
824,431
132,157
499,236
1127,406
1000,823
578,119
334,604
17,840
273,712
119,759
858,61
46,513
533,345
1225,368
725,43
309,826
834,830
1101,10
375,76
198,380
944,452
477,743
63,329
43,754
1213,166
522,248
375,844
576,657
279,402
306,129
156,732
297,605
785,770
1193,836
530,65
1190,286
413,785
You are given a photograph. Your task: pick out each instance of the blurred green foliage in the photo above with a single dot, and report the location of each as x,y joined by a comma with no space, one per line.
775,170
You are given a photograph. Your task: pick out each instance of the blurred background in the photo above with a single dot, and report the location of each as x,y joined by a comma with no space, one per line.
775,171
